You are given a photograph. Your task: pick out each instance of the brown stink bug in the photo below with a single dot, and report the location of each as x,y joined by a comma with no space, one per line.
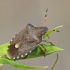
26,40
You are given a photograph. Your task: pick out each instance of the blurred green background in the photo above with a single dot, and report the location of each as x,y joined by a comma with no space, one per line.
16,14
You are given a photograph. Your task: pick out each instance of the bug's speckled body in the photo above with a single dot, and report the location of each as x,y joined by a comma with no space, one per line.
25,41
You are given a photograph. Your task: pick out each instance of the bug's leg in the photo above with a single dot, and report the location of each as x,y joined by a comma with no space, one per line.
48,42
52,44
48,37
45,18
42,50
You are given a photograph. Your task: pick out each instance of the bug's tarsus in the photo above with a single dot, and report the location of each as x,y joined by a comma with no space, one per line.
57,31
45,18
52,44
44,54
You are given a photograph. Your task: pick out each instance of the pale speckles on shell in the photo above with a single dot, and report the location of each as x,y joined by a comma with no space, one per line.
26,54
14,36
16,45
17,57
14,58
17,34
21,55
11,40
29,51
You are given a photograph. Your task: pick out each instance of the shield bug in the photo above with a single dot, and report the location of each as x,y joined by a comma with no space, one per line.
25,41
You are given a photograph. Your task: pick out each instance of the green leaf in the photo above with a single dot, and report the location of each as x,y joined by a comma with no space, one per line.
49,50
3,49
17,65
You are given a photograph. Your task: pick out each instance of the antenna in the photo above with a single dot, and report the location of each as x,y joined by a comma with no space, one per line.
45,18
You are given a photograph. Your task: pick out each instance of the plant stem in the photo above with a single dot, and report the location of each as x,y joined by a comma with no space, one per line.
55,62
